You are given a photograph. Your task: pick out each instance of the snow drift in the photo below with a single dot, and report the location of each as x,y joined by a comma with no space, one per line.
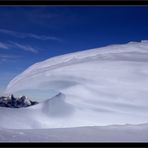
96,87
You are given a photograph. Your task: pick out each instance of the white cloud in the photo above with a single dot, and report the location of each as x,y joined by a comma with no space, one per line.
19,46
28,35
8,57
24,47
4,45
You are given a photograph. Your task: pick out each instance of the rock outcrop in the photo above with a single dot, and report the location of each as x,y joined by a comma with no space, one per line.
13,102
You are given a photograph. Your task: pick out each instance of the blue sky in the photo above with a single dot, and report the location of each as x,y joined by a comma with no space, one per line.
30,34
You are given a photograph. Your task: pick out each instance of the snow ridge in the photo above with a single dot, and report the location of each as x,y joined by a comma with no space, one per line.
96,87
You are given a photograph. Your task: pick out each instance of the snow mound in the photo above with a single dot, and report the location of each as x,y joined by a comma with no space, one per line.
96,87
36,116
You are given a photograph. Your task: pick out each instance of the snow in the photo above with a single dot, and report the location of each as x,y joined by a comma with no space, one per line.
93,88
96,87
113,133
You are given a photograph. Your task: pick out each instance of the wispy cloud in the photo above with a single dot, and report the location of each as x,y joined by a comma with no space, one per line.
28,35
24,47
4,45
8,57
10,45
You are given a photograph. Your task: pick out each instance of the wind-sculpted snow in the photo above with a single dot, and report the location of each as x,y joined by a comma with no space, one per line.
97,87
37,116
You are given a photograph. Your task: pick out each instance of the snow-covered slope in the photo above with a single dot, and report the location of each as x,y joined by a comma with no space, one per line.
95,87
116,133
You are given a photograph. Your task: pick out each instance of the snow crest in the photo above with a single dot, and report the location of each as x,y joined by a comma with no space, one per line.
96,87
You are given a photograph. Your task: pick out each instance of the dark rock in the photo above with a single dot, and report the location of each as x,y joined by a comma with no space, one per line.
14,102
33,102
25,101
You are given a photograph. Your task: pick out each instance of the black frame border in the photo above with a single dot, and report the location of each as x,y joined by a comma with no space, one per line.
73,3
